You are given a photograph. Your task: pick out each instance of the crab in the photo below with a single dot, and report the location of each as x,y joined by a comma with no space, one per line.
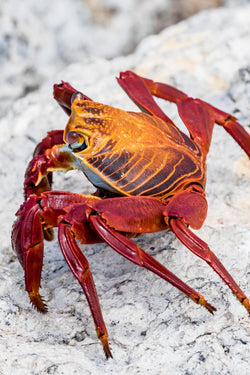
149,177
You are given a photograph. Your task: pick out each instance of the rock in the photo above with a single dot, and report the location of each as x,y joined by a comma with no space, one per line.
153,328
37,39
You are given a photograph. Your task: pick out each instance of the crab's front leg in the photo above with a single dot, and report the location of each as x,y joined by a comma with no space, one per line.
34,218
68,211
64,94
51,154
38,175
27,242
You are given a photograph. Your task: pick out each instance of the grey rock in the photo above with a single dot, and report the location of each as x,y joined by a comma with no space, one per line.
153,328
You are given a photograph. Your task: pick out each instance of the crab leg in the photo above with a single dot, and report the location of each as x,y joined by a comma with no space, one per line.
140,214
189,207
64,94
27,242
36,178
234,128
50,155
201,249
80,269
141,95
198,116
54,137
38,175
35,217
132,252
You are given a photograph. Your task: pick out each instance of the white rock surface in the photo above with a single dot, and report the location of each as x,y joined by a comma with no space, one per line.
38,38
153,328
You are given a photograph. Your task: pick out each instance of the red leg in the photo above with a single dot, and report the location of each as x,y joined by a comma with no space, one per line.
234,128
201,249
54,137
131,251
198,116
34,221
50,153
41,213
27,242
38,177
190,208
38,165
80,269
141,213
64,94
140,94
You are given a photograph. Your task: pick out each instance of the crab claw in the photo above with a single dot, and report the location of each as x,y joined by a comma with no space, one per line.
36,180
64,94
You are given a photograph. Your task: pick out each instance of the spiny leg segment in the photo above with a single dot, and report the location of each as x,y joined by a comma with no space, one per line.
128,249
201,249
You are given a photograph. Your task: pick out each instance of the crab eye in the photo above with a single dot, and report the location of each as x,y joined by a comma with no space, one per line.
77,94
76,141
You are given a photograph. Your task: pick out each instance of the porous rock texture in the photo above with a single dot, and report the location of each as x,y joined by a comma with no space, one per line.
154,328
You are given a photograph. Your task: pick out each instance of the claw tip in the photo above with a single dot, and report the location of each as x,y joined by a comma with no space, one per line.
38,302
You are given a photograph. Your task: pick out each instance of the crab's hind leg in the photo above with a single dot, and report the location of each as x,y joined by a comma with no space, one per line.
107,215
232,126
138,91
198,122
198,116
201,249
185,209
